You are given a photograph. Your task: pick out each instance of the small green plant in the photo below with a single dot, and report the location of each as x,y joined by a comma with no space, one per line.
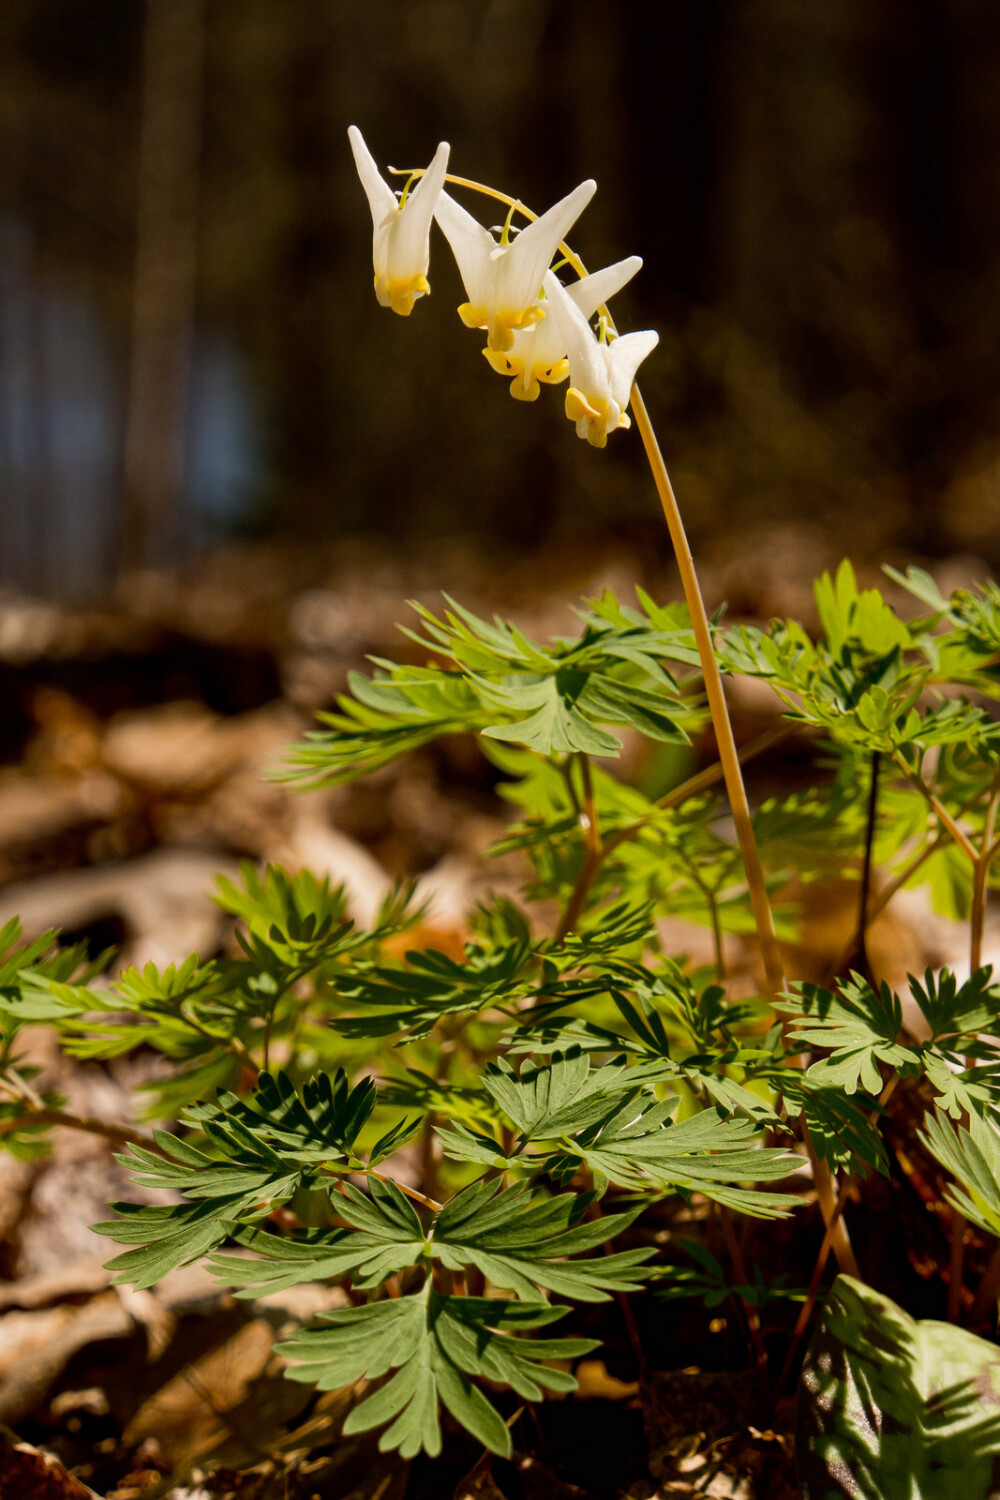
471,1145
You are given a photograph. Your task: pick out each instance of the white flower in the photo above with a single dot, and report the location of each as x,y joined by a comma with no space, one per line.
503,282
601,375
538,353
401,240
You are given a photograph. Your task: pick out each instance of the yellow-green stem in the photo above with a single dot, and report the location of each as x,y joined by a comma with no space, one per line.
736,792
942,814
981,880
733,776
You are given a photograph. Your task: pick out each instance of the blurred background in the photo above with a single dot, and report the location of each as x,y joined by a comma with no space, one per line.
223,467
190,354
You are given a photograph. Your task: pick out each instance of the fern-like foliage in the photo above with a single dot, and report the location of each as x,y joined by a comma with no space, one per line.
490,678
435,1345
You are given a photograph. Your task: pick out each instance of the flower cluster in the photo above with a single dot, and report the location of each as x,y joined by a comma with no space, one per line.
538,330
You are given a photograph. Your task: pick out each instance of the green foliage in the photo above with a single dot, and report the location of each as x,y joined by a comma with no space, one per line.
518,1239
610,1120
459,1134
866,680
490,678
434,1344
972,1155
707,1282
864,1027
260,1152
891,1408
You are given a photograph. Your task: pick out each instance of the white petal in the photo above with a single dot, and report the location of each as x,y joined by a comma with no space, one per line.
588,370
409,250
520,273
472,247
545,339
591,292
626,355
381,198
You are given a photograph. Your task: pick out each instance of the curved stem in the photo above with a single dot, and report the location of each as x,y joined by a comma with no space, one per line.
981,880
942,814
408,1192
735,790
593,855
866,871
122,1135
980,883
750,1313
732,775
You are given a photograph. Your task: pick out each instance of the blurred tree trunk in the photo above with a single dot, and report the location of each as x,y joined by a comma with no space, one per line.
312,378
165,277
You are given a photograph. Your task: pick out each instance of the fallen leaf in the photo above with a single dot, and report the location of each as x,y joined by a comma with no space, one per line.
229,1407
36,1346
594,1382
27,1473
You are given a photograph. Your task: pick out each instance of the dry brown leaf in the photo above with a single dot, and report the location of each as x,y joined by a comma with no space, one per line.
36,1346
479,1483
594,1382
27,1473
230,1407
79,1278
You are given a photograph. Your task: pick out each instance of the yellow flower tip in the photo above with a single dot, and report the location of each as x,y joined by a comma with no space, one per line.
578,408
472,317
555,374
594,420
524,386
500,336
400,293
499,362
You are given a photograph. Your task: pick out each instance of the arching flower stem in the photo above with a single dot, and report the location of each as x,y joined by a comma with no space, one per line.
714,692
733,776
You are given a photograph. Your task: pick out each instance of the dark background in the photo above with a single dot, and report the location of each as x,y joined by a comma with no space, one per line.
190,349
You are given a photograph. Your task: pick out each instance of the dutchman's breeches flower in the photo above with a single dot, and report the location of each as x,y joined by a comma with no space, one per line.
601,375
401,231
538,354
503,281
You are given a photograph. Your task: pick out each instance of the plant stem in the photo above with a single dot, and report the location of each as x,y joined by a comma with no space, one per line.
988,1290
805,1314
121,1134
942,814
628,1316
728,757
866,869
981,879
980,885
736,791
806,1311
878,903
593,854
750,1313
407,1192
